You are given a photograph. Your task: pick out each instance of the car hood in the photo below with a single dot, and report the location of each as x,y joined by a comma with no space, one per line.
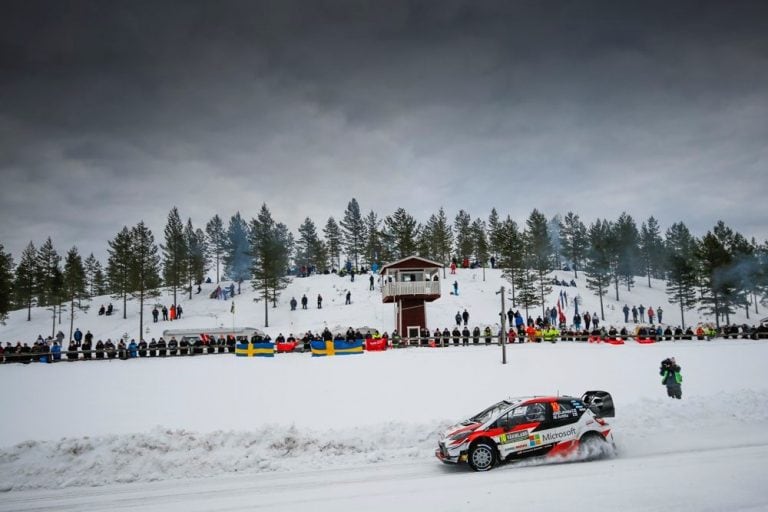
459,428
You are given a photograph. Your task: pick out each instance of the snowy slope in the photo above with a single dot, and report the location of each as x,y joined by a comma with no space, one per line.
301,433
476,295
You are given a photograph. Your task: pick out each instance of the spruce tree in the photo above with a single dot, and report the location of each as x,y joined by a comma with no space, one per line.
310,250
270,252
99,280
237,257
404,230
373,245
480,241
90,271
681,252
574,241
118,267
555,227
442,239
75,285
196,263
175,253
332,234
495,233
6,283
144,268
462,227
539,251
598,260
353,231
25,280
217,241
50,279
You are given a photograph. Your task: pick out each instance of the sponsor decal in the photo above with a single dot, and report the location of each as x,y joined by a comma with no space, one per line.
513,437
534,440
569,413
557,436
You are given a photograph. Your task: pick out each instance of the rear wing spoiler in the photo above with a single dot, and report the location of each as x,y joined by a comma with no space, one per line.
600,403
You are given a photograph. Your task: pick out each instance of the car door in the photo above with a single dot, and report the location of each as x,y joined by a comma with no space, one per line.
518,427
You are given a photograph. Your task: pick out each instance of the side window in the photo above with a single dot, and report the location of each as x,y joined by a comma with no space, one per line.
565,412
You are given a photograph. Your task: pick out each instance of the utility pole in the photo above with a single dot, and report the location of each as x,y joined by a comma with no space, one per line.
503,328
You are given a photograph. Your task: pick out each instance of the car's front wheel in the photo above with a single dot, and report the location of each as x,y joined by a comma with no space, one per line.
482,456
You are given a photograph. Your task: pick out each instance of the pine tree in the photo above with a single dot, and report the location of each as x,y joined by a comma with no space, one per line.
6,283
525,283
462,226
626,244
426,235
49,274
442,239
373,245
539,249
332,234
25,281
681,252
598,260
353,231
310,250
144,268
217,240
651,249
75,285
99,280
50,279
574,241
118,267
480,241
237,257
512,255
268,242
175,253
404,230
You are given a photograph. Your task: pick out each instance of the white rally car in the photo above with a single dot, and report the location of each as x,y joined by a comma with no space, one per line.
552,426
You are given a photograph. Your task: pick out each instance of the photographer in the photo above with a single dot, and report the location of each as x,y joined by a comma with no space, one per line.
670,377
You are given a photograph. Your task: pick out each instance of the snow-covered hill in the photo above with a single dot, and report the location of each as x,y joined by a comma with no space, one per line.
477,293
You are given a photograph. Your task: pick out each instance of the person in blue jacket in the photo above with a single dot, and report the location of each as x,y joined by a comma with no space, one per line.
56,351
78,335
133,349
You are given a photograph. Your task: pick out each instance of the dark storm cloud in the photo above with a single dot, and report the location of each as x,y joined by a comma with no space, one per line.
111,112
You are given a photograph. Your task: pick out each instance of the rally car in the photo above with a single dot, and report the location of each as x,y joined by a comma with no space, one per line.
532,426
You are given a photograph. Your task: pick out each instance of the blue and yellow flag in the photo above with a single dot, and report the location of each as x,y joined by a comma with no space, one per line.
322,348
262,349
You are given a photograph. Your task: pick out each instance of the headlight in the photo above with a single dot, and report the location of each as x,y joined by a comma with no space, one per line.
460,436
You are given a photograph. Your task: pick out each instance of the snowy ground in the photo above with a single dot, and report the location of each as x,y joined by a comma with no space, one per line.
301,433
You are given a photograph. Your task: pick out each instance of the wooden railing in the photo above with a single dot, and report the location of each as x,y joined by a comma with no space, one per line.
411,288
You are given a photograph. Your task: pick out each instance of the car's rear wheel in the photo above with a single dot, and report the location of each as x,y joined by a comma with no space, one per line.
482,456
593,446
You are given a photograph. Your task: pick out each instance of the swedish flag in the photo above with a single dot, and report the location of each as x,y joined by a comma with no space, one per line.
336,347
262,349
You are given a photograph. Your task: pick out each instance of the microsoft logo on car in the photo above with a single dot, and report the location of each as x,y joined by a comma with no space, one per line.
534,440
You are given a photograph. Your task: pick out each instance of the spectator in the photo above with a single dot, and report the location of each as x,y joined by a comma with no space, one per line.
303,302
476,335
634,314
319,301
455,287
165,313
102,310
650,314
110,309
179,311
72,352
155,314
349,298
293,303
133,350
626,313
595,320
465,336
465,317
78,336
659,312
587,320
453,267
641,310
370,282
458,318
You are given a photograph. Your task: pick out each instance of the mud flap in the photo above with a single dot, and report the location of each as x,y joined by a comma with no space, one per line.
600,403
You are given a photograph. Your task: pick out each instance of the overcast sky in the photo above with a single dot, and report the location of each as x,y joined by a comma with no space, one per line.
114,112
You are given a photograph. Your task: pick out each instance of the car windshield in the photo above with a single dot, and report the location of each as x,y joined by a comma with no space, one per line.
488,413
